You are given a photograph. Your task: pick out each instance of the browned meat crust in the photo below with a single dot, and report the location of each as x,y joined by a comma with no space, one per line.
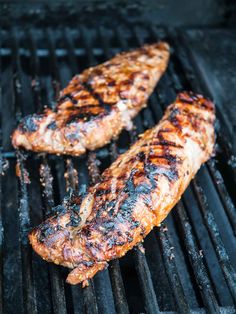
96,105
135,194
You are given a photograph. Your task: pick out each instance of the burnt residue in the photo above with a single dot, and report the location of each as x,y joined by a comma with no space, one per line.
87,263
46,230
85,116
74,219
108,224
100,191
50,228
171,173
90,112
72,204
148,168
52,125
58,210
30,123
174,118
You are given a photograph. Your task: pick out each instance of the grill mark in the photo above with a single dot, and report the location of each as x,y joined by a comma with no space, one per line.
170,158
111,83
190,98
125,211
163,143
69,97
141,88
127,82
86,107
186,98
94,94
151,169
87,115
194,119
166,130
206,106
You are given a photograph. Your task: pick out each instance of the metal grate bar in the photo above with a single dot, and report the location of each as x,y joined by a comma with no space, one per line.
17,84
228,271
71,52
54,67
173,275
1,175
88,47
58,295
224,195
145,280
34,65
28,286
195,257
118,288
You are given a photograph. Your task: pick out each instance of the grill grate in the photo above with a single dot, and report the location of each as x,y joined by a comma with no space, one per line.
186,264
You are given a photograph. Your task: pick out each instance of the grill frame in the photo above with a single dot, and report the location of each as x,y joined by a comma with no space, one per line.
98,297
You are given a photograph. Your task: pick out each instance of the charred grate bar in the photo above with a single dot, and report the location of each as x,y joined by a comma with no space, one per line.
184,265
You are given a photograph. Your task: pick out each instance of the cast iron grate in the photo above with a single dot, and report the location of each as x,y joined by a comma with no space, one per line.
185,265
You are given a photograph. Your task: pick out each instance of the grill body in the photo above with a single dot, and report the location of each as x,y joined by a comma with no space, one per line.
188,264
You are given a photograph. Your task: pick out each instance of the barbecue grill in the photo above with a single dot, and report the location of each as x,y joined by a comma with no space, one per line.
185,265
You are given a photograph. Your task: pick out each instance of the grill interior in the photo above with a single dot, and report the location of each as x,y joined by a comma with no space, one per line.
188,263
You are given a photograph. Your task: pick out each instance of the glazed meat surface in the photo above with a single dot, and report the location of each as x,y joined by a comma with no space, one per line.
135,193
96,105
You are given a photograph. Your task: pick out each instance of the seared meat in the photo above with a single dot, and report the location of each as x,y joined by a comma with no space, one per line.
96,105
135,194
